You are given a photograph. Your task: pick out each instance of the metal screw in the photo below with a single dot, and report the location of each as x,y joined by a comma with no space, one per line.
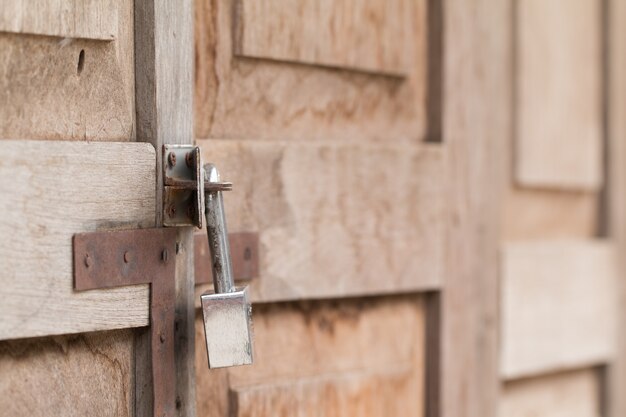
164,255
179,247
189,159
127,257
87,261
247,254
171,159
171,210
162,338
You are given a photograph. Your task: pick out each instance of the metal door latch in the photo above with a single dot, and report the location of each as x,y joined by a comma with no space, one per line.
191,189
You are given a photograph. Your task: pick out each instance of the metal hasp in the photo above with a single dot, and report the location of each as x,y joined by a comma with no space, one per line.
226,311
182,186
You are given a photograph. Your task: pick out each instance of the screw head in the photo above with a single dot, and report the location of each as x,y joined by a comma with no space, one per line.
127,257
171,210
247,254
171,159
164,255
87,260
189,159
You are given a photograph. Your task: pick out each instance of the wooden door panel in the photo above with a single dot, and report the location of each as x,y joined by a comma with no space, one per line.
569,394
88,19
337,220
52,190
240,97
348,357
559,306
78,375
63,86
374,35
559,94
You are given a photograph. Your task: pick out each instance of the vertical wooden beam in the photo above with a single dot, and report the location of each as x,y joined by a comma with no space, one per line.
164,106
476,123
616,190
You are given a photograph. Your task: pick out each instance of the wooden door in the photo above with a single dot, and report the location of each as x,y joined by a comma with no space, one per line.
386,153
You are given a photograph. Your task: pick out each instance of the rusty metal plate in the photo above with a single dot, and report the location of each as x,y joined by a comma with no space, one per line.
244,252
119,258
183,204
129,257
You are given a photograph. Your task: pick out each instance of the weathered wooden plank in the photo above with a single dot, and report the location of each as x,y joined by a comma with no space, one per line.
88,19
76,375
336,219
571,394
164,96
345,344
549,214
476,122
68,89
559,306
267,99
52,190
559,93
374,35
392,392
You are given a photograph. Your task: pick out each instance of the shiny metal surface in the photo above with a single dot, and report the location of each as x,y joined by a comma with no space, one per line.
228,328
226,311
217,232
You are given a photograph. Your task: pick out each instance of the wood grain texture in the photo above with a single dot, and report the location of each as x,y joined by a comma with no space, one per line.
336,220
549,214
47,94
559,306
346,351
76,375
52,190
375,36
264,99
385,393
476,122
616,196
164,112
570,394
89,19
559,93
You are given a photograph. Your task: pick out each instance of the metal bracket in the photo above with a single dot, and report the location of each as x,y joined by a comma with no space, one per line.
147,256
183,204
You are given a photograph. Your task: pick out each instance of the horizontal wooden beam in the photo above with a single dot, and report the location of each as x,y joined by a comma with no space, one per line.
336,220
559,306
50,191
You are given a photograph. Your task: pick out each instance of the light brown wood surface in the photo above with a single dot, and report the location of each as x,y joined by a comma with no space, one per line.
78,375
336,220
569,394
245,98
558,94
559,306
164,96
91,19
332,358
50,191
48,91
375,36
476,122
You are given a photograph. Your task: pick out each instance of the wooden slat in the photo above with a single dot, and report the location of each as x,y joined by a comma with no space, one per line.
73,376
334,344
164,108
52,190
336,220
369,35
268,99
571,394
389,393
550,214
559,305
68,89
559,115
476,122
89,19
